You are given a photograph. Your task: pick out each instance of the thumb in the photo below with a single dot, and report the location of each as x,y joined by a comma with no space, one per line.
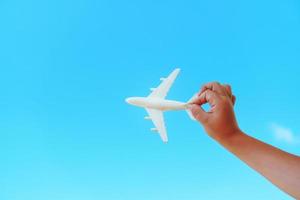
198,112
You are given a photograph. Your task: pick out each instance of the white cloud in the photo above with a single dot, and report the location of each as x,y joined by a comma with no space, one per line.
284,134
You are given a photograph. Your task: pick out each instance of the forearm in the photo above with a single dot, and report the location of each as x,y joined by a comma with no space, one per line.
281,168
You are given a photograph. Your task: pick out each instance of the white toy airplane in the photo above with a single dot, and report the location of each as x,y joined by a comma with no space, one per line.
155,104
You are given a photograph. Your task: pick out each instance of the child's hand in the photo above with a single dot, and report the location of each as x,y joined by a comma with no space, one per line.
219,122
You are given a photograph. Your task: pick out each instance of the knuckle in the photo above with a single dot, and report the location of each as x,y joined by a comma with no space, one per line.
227,86
216,83
203,86
225,100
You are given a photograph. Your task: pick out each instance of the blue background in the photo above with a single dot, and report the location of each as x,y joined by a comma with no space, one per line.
67,66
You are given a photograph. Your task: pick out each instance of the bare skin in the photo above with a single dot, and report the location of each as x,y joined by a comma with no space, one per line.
279,167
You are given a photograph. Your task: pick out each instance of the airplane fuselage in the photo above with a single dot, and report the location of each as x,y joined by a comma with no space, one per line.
156,103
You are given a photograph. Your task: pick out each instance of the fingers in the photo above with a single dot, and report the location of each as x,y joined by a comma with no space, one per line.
198,113
229,93
228,89
233,99
220,89
214,86
208,96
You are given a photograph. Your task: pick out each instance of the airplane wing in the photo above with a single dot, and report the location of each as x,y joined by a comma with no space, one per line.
162,90
158,120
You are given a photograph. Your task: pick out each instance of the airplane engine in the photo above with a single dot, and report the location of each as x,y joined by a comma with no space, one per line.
162,79
154,129
147,118
152,89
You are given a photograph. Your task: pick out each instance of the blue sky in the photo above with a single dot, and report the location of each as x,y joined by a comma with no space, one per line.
67,66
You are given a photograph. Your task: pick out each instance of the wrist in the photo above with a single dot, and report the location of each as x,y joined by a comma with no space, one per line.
230,139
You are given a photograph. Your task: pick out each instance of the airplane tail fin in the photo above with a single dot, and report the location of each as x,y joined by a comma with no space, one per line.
189,101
